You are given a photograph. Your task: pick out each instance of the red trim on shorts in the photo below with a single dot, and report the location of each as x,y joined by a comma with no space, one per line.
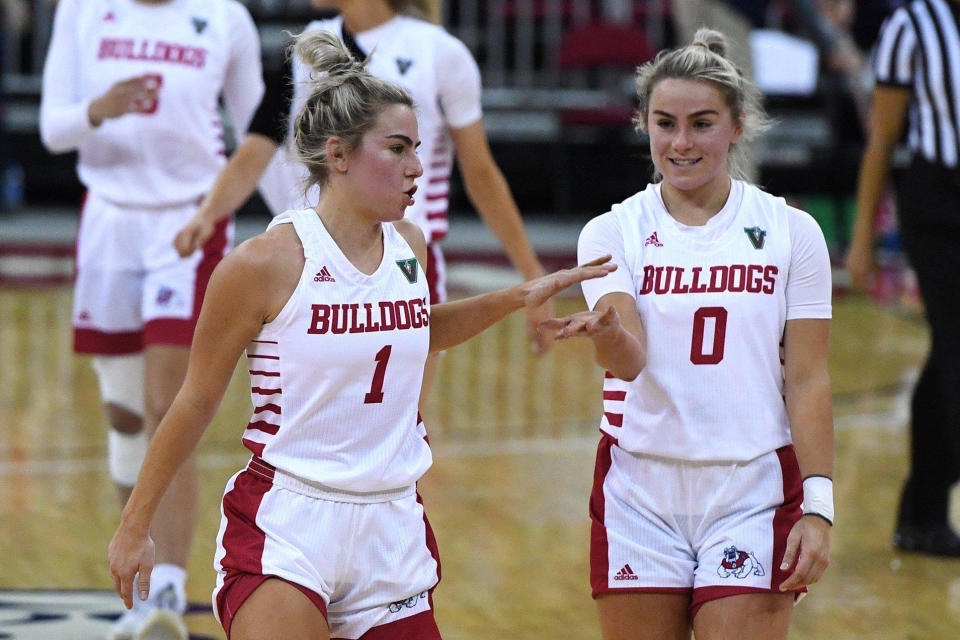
242,542
787,515
237,587
784,518
94,342
179,331
431,541
433,275
599,558
420,626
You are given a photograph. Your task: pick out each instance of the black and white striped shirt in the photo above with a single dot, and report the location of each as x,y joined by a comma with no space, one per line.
919,49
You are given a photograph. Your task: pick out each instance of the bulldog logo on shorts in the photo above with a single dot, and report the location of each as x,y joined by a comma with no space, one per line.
739,563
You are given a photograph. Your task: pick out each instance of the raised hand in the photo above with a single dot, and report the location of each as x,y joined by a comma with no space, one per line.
585,324
193,235
135,95
537,291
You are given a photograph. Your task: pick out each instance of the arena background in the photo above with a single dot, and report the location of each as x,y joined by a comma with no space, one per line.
513,435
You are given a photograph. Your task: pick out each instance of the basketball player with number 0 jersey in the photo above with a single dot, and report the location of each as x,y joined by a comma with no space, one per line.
712,500
134,86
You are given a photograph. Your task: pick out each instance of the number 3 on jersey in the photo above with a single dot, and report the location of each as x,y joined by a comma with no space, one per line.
719,315
375,395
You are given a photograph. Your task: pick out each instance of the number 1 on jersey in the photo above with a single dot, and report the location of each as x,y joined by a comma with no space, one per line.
375,395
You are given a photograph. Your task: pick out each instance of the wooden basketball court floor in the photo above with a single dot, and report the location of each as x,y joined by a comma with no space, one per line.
514,440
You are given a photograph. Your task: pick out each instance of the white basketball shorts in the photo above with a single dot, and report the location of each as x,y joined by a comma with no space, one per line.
132,289
368,562
709,530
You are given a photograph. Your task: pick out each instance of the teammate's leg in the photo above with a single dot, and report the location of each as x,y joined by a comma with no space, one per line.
749,616
121,391
644,616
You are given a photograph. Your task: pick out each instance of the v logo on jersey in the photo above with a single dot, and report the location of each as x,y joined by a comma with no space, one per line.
199,24
403,64
756,235
409,269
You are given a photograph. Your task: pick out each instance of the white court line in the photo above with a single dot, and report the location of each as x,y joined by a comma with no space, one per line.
894,419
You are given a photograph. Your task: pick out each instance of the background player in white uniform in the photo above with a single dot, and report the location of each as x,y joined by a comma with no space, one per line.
697,498
441,75
323,534
134,86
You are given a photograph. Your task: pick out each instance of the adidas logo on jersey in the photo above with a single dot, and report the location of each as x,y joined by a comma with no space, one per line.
324,276
653,240
626,573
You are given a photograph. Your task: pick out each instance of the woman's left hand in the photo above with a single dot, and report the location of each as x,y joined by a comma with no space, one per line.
810,540
539,290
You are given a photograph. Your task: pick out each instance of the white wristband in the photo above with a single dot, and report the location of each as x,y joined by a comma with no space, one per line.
818,497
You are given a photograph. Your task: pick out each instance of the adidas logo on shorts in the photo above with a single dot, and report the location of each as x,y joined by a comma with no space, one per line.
626,573
323,276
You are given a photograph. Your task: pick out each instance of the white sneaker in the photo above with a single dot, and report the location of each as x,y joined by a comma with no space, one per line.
162,624
156,619
126,626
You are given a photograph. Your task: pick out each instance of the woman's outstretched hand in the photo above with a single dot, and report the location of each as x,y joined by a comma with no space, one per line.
585,324
539,290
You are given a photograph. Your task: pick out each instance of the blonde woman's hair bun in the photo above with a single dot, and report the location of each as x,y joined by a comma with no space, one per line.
712,40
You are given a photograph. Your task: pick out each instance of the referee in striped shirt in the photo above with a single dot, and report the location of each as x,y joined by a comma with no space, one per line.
917,68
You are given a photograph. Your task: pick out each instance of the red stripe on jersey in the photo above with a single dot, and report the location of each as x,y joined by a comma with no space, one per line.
436,215
265,341
437,196
614,395
264,357
615,419
439,180
265,392
263,373
266,427
440,165
608,375
273,408
255,447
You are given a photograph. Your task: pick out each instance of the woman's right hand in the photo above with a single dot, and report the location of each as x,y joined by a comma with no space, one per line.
585,324
135,95
193,235
131,553
861,265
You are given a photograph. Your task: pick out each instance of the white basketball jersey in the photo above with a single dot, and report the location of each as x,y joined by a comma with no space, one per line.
335,378
194,49
444,81
714,301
